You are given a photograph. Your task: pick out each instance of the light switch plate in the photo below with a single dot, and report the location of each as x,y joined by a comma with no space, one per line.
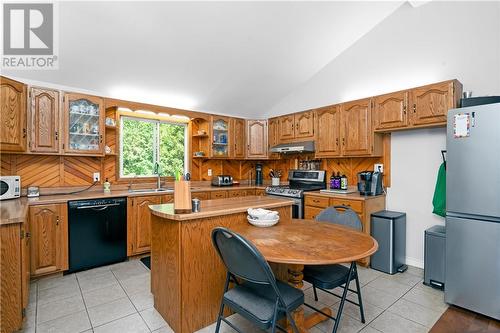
97,176
209,172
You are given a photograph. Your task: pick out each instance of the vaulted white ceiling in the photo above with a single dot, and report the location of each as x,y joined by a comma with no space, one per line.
237,58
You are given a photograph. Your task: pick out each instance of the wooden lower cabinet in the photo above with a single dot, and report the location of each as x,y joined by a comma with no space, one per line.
49,238
237,193
218,195
14,275
363,206
260,192
201,195
139,223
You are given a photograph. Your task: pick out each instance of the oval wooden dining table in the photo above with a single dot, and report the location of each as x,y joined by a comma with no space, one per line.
288,247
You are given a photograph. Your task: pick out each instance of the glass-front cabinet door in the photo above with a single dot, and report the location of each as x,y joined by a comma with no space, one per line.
220,136
84,124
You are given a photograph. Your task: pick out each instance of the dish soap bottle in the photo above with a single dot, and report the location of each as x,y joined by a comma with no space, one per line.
107,186
343,182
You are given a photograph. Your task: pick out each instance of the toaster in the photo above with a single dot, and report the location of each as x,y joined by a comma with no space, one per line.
222,180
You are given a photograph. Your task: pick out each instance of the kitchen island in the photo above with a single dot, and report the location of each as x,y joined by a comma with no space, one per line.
187,276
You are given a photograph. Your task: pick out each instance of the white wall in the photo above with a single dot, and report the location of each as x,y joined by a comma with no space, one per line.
413,46
416,157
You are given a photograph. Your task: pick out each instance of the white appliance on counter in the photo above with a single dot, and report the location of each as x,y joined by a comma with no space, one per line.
10,187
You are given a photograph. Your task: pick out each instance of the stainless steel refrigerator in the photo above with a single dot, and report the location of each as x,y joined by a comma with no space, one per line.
473,209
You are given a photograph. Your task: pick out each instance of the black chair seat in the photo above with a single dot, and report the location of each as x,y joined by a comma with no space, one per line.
256,302
327,276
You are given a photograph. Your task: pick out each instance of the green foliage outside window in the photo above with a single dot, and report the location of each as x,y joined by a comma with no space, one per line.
145,142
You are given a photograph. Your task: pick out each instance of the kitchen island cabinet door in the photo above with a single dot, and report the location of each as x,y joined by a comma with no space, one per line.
328,131
49,238
390,111
13,115
201,195
44,120
218,195
304,125
430,104
357,129
139,223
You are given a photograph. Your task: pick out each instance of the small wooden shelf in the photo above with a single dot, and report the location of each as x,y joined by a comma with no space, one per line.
199,156
111,154
200,135
111,127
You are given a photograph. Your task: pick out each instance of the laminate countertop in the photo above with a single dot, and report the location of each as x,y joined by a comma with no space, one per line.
219,207
16,210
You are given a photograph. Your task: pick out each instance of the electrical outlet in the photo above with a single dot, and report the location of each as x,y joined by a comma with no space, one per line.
209,172
97,176
378,167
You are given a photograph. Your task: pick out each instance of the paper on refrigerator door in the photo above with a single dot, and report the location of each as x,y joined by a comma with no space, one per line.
461,125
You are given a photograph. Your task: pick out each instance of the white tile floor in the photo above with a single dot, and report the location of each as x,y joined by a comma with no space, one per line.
117,298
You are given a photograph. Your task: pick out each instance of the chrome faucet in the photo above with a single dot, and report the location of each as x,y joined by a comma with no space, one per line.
157,173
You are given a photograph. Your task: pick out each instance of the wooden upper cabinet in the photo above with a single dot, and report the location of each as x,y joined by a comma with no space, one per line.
238,138
140,223
356,127
287,127
273,135
304,125
44,120
390,110
430,104
257,138
83,124
328,131
49,238
221,140
13,115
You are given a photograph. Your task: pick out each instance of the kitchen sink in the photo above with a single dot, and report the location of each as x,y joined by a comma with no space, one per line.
152,190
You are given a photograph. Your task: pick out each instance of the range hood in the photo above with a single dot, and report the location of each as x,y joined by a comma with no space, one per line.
294,147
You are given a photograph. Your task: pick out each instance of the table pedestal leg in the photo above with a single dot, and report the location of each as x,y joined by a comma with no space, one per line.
295,276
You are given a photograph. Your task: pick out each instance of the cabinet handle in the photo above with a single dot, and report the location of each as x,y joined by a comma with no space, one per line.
100,137
343,141
24,133
414,108
337,141
57,135
57,221
404,109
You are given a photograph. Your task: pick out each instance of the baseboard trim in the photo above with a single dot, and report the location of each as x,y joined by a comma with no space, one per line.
414,262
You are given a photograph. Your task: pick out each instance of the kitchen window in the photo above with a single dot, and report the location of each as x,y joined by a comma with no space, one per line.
145,142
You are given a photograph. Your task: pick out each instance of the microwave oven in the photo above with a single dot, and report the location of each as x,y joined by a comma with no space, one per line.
10,187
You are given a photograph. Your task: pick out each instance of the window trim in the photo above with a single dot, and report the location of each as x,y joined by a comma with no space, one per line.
156,145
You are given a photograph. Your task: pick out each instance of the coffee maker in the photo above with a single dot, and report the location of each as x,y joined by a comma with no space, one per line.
258,174
370,183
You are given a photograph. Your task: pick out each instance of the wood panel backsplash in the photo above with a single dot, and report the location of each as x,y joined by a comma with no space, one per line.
56,171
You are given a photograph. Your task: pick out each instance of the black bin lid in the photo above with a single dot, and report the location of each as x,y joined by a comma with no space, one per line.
388,214
436,230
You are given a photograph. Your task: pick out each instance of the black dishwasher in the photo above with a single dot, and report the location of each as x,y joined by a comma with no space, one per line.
97,232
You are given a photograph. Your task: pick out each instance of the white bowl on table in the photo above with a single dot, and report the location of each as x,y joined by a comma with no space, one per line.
263,222
262,214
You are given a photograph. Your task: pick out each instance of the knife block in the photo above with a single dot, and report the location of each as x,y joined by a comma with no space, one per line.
182,196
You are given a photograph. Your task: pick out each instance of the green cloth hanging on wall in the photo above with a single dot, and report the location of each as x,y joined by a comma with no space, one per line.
439,199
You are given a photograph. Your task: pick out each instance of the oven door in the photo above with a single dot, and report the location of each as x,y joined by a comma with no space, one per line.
297,206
